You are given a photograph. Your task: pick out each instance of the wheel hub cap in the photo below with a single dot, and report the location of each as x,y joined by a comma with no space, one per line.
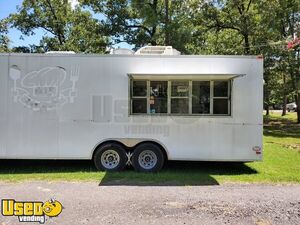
147,159
110,159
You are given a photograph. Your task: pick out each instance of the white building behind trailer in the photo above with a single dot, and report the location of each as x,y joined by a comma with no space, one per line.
141,108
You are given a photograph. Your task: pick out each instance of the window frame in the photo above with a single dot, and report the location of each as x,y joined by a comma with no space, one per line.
149,96
189,97
210,96
137,97
228,97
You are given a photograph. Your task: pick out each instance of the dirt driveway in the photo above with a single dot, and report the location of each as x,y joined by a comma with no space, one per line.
89,203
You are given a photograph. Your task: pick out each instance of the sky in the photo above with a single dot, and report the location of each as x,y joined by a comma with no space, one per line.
17,39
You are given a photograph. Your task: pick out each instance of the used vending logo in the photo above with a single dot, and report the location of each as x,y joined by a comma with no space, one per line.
31,211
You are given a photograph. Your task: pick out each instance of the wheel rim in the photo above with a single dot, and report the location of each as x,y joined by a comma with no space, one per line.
147,159
110,159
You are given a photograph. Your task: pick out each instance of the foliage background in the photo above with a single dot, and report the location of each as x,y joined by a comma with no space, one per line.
228,27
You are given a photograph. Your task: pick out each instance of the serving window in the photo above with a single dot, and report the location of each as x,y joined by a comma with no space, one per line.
180,97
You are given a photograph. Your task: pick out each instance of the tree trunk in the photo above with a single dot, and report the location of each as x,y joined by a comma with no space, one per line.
298,107
247,44
284,96
153,43
284,105
298,97
267,110
167,35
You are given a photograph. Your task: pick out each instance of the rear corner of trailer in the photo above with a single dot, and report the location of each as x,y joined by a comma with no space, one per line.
252,119
259,65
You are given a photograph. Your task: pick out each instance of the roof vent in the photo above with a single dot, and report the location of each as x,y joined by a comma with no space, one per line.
60,52
121,51
157,50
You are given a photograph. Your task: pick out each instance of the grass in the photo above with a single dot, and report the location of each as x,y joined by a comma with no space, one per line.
281,165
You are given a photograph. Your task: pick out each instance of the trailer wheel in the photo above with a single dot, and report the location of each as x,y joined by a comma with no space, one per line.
110,157
147,157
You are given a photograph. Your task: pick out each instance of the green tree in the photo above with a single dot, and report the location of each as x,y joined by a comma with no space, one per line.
282,26
4,41
142,22
247,27
28,49
227,23
66,29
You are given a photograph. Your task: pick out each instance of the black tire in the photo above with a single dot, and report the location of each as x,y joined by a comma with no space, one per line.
146,151
114,150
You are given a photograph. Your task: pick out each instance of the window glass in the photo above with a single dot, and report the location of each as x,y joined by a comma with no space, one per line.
180,105
139,88
201,97
220,88
158,105
180,88
220,106
154,97
159,88
139,105
158,97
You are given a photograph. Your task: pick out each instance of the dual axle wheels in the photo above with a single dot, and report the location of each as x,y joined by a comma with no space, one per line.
146,157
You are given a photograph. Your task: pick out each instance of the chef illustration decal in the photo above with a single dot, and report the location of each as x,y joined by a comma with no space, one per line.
44,89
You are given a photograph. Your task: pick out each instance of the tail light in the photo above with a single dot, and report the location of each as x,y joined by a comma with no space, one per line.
257,150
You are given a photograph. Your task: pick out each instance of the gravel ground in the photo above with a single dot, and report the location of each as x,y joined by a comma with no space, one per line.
89,203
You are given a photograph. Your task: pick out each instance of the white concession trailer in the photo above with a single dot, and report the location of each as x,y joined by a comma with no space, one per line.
139,109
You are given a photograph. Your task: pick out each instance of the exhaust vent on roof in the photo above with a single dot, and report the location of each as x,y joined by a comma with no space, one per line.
121,51
157,50
60,52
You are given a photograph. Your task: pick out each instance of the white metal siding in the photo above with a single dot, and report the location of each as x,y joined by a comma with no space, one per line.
73,129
